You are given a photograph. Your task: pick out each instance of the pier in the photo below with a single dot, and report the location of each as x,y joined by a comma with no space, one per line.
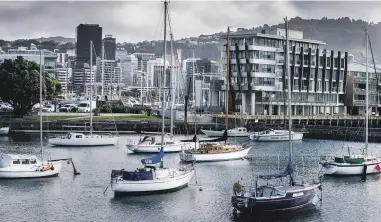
338,127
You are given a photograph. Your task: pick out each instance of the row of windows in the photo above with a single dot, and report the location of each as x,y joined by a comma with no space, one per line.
270,42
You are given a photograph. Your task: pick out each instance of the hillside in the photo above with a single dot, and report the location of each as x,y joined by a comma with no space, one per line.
343,34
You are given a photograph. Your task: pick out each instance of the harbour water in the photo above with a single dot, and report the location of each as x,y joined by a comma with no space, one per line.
81,198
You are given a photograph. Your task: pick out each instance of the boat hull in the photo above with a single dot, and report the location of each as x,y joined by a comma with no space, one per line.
332,169
292,201
213,133
273,138
4,131
10,174
104,141
156,148
189,157
124,187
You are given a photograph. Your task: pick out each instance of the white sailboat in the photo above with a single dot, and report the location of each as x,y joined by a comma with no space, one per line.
271,135
214,150
148,144
80,139
353,164
150,178
14,166
4,131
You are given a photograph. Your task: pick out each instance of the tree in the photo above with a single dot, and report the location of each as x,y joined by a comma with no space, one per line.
20,84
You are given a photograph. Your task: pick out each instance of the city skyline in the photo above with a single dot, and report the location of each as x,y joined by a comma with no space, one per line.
126,22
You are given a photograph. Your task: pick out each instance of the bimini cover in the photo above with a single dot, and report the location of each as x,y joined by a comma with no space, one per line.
5,160
154,160
288,171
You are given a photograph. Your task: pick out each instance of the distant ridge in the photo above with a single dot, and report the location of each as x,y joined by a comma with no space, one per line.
56,39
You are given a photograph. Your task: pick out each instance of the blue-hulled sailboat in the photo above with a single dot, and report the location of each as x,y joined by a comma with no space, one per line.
279,191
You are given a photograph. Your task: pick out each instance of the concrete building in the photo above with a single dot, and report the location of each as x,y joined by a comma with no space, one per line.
111,75
356,88
64,76
257,77
109,44
84,34
129,68
143,58
49,58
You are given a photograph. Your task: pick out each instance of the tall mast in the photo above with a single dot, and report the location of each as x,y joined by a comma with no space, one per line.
171,89
194,99
163,82
193,84
288,91
103,67
227,80
367,93
91,87
41,142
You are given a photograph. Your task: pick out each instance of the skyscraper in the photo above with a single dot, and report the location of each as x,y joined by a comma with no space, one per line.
109,47
85,33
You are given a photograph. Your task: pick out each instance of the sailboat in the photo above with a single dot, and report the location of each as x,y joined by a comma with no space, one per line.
4,131
214,150
287,195
352,164
80,139
13,166
149,144
152,178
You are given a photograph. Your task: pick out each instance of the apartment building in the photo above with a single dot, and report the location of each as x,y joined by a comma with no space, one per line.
258,81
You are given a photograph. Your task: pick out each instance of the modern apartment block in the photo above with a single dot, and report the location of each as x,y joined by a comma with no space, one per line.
143,58
356,88
129,68
258,81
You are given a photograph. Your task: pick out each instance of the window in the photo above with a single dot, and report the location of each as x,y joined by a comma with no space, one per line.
328,62
321,61
33,161
335,62
312,74
24,161
16,161
342,63
78,136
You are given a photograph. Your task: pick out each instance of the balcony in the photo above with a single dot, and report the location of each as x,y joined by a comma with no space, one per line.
280,49
279,74
241,47
313,63
244,74
233,61
234,86
304,88
359,102
279,61
244,86
251,60
262,87
232,47
334,89
251,47
234,74
305,62
262,74
242,61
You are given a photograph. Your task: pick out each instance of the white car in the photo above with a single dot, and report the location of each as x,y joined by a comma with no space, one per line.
48,108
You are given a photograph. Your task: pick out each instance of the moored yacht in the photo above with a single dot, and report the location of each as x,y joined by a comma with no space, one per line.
149,144
271,135
354,164
80,139
235,132
151,178
27,166
4,131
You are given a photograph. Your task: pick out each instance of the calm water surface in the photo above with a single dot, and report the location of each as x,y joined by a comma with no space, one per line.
81,198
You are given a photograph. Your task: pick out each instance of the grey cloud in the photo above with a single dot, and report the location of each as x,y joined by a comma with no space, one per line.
137,21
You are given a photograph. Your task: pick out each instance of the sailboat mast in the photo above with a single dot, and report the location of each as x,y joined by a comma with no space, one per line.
41,142
194,99
163,82
288,91
171,89
103,68
91,87
227,80
367,93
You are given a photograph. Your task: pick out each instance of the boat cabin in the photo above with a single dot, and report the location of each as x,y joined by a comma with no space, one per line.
7,160
151,140
146,173
239,129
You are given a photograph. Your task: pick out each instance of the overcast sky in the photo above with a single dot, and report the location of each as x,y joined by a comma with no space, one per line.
134,21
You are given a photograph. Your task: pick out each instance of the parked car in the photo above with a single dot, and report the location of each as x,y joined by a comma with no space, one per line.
48,108
68,108
6,107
